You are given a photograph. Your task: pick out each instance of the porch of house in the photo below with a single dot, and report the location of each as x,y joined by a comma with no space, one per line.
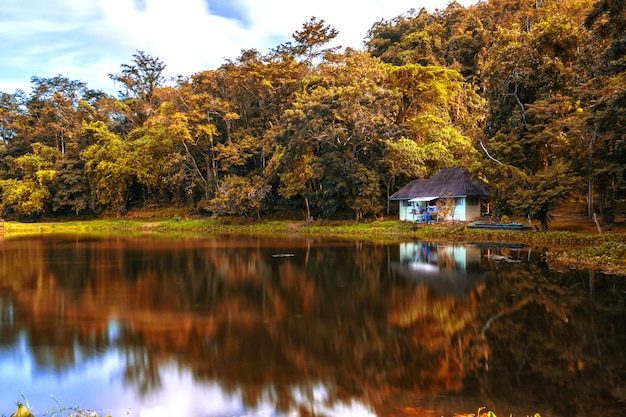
424,209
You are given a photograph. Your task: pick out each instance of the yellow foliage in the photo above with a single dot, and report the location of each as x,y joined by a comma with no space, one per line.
22,412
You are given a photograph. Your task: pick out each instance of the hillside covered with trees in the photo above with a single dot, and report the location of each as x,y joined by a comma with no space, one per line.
528,95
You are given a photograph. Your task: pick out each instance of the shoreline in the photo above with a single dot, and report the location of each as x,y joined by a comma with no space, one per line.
575,250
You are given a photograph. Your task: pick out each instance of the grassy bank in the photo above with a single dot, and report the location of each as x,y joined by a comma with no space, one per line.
393,230
569,248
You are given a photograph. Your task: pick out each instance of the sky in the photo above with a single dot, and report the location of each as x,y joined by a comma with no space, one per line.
87,40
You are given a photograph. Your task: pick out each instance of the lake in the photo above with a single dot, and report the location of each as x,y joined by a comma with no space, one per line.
242,326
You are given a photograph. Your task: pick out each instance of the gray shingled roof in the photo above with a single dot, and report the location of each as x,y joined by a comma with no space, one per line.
449,182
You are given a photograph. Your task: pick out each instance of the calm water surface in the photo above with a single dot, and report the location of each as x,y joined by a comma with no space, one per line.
258,326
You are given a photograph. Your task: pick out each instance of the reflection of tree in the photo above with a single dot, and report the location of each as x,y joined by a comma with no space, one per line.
142,370
232,312
550,338
331,314
444,331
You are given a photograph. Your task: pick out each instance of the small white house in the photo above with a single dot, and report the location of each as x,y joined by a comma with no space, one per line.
418,199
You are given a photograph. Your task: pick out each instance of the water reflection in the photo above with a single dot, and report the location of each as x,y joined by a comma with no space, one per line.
449,269
225,326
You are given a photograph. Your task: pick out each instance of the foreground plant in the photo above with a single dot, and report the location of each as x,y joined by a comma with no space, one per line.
482,413
22,411
56,411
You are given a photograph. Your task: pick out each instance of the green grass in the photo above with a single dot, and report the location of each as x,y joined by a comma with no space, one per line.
608,256
353,229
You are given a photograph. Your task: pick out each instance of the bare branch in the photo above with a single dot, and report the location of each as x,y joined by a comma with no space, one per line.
487,153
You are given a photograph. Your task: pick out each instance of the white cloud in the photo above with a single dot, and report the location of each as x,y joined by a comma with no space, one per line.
89,39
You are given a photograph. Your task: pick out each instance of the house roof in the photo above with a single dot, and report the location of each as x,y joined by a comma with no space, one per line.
449,182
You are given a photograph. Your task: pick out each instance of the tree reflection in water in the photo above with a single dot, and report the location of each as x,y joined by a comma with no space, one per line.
395,327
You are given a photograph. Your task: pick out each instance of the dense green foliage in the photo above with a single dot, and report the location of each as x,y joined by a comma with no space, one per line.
530,97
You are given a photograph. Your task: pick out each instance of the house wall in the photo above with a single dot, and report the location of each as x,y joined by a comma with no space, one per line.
459,213
405,210
472,213
459,210
465,210
473,209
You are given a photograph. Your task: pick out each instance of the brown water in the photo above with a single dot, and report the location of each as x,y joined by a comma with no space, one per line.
257,326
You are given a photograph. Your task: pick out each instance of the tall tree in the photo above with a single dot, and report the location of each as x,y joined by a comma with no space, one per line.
11,112
540,193
234,111
534,124
158,159
607,80
310,41
140,79
437,107
454,38
56,108
237,195
107,168
70,190
334,132
52,114
410,38
211,116
26,195
403,160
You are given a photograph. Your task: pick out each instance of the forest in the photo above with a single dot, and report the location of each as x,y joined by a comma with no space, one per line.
529,96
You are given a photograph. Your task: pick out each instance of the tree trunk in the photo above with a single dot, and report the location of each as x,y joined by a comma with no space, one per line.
542,216
590,201
308,210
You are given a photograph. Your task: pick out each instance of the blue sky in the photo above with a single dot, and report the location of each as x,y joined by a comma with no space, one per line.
88,39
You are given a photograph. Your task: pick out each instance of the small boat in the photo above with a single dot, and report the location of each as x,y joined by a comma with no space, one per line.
498,226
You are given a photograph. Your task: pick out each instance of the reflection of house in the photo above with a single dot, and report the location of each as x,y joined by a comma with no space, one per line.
418,199
420,255
453,270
